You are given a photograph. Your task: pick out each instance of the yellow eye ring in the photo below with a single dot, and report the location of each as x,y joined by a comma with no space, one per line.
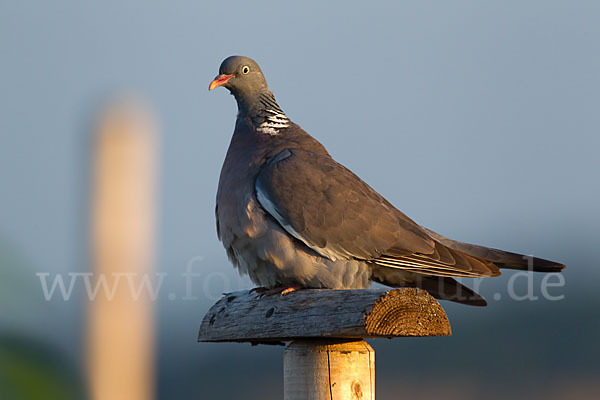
245,69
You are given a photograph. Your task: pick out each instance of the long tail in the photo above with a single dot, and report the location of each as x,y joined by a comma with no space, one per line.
503,259
431,274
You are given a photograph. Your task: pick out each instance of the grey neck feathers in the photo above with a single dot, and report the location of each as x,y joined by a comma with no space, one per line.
266,115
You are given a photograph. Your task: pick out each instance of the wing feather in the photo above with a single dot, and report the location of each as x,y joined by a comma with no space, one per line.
332,211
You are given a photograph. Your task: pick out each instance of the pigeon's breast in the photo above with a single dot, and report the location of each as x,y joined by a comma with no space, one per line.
259,247
254,242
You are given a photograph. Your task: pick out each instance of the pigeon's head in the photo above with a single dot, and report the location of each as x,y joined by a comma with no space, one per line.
241,75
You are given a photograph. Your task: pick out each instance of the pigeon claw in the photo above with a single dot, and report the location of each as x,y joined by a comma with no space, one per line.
281,290
258,289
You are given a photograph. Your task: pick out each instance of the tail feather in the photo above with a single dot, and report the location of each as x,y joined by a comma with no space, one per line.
445,288
434,272
503,259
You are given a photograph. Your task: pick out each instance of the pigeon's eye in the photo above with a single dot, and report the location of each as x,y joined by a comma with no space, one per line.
245,69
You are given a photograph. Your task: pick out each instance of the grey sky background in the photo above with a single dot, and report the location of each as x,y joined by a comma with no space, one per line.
477,119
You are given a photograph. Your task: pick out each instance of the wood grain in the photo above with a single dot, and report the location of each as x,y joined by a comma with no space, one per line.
325,369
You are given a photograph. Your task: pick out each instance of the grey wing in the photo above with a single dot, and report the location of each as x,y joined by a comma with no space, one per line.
331,210
334,212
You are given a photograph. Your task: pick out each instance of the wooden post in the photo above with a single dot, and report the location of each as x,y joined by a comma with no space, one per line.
327,358
120,324
329,369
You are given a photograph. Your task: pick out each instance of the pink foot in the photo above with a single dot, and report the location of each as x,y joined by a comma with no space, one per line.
282,290
289,290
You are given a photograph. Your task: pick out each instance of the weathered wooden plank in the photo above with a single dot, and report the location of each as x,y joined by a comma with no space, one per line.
320,313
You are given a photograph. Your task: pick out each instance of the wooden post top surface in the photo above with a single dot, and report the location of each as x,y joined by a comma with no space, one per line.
247,316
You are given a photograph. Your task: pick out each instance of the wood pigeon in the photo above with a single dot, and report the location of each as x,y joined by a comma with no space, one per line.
291,217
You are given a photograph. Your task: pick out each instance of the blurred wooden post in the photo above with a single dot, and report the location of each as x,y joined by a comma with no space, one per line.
121,323
327,358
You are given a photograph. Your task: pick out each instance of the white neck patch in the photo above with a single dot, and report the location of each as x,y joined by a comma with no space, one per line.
275,121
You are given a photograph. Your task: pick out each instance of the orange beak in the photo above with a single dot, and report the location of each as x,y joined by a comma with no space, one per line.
219,81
